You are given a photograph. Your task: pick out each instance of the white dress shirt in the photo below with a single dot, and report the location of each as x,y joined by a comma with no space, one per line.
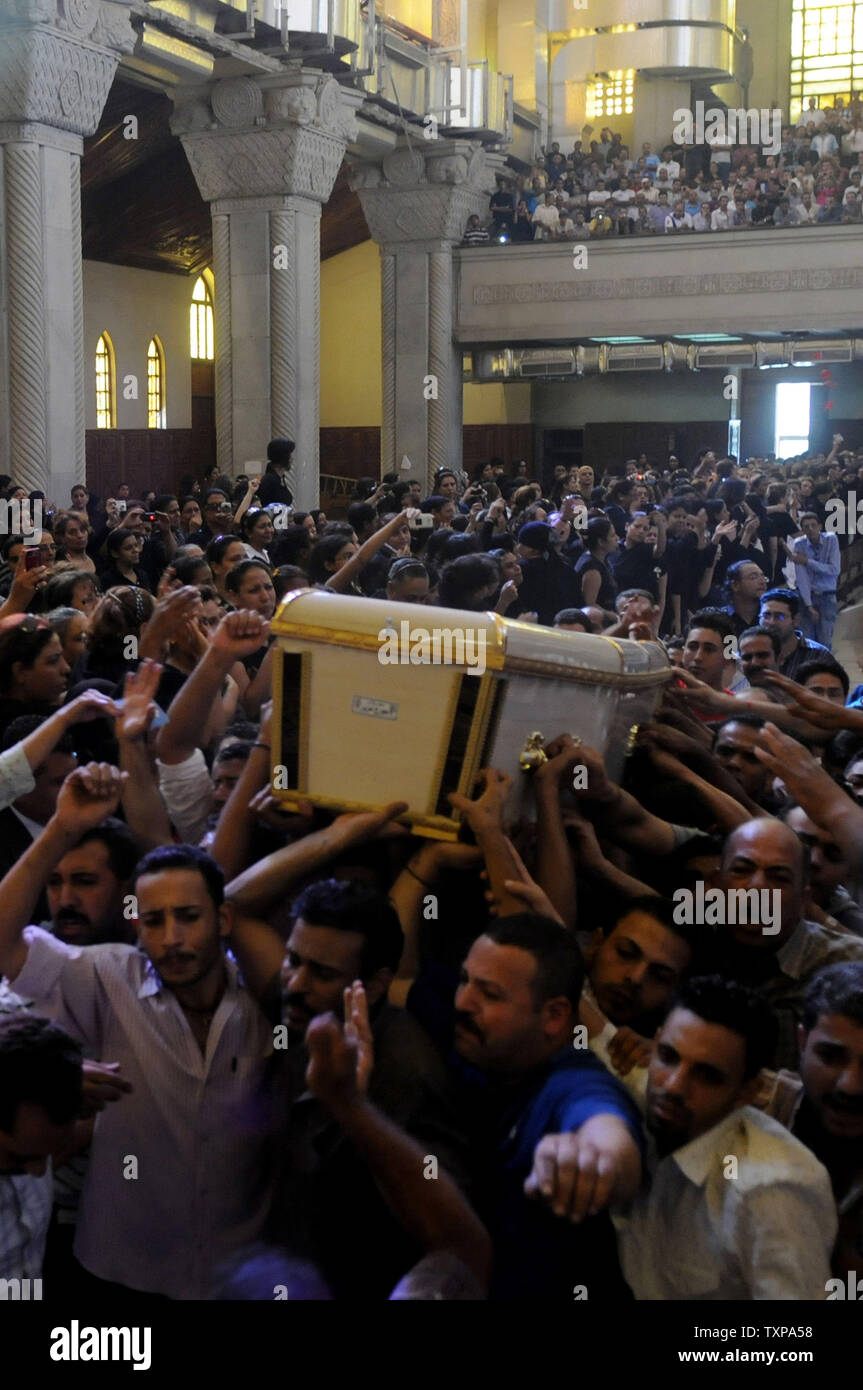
767,1233
16,775
821,574
202,1188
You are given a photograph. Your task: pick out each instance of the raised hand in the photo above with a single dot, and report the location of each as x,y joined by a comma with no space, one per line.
138,709
486,812
87,796
91,705
240,634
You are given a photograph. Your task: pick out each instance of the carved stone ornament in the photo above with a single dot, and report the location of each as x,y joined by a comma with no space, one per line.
291,104
80,15
404,168
290,161
329,101
236,102
49,77
672,286
113,28
452,168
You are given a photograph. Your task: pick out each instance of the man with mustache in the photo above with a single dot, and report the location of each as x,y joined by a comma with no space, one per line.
823,1106
86,889
736,1208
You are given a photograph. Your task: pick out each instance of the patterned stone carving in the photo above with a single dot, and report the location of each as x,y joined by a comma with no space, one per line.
267,163
80,15
237,101
440,359
48,77
26,314
284,331
77,321
113,28
329,101
671,286
404,168
403,203
222,333
269,137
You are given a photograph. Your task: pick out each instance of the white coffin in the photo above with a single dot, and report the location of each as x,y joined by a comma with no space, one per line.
352,731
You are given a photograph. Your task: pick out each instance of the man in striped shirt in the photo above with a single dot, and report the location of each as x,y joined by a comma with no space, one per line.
176,1181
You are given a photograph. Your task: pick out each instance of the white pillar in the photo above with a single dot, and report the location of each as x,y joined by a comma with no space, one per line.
56,69
265,153
417,202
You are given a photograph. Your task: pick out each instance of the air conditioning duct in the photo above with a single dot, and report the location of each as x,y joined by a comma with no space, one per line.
642,357
547,362
814,354
723,355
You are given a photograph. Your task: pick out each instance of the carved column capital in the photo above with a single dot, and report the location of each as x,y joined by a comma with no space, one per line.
425,191
58,59
282,135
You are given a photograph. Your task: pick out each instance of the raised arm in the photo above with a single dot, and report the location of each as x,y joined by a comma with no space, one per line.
343,577
142,801
485,818
436,1214
825,803
238,634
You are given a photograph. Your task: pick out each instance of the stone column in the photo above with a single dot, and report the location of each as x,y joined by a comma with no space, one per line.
57,63
417,201
265,153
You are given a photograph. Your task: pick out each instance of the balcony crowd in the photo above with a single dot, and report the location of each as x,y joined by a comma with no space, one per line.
601,188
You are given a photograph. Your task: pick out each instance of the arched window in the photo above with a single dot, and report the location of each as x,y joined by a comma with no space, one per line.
155,385
201,319
106,384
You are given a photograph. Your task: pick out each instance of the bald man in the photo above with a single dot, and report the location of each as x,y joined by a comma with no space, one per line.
766,854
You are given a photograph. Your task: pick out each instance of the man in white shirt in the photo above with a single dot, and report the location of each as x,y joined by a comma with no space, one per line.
720,219
546,219
811,113
823,143
700,221
737,1209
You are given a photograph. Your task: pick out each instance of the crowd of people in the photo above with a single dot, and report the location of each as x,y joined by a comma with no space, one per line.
601,188
253,1054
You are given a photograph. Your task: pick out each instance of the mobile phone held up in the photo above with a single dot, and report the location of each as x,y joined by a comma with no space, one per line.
32,557
423,522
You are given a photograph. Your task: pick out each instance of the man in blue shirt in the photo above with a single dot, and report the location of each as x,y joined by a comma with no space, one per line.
557,1139
816,556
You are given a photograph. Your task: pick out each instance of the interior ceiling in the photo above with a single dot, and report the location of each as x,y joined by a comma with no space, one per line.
141,207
